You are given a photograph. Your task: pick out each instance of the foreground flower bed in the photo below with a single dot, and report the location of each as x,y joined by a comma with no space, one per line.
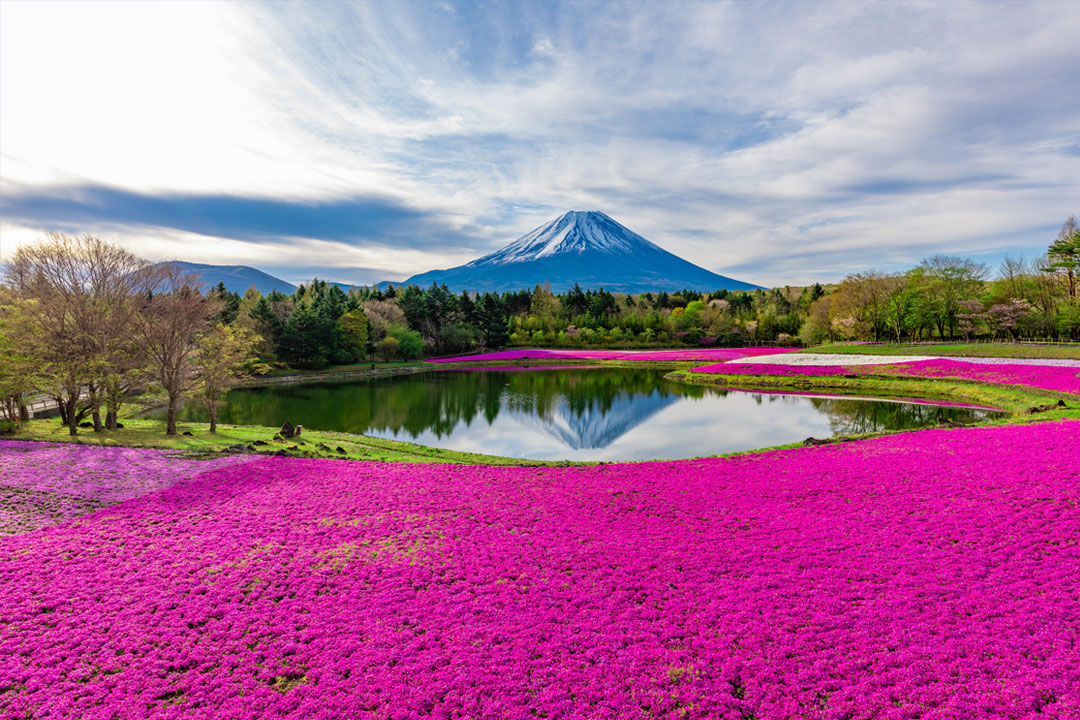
924,575
44,484
691,355
1047,377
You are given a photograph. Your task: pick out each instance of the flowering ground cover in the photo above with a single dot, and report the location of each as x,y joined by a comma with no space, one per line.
44,484
692,355
1047,377
925,575
848,396
957,349
523,368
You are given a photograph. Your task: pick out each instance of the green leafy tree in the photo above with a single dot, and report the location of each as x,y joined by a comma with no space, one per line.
387,348
410,342
1064,254
351,331
223,356
306,340
20,356
492,317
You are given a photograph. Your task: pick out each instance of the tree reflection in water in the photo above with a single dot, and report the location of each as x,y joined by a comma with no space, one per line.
575,409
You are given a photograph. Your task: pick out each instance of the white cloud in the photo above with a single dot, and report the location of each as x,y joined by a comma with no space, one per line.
717,130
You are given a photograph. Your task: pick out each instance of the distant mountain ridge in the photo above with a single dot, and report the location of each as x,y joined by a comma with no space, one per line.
587,248
237,278
580,247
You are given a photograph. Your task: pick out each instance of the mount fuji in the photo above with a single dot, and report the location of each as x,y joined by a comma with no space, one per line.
584,247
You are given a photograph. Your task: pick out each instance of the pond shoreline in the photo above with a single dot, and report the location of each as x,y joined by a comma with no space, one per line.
1023,405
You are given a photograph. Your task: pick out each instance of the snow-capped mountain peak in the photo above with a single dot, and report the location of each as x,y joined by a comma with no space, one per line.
585,248
577,231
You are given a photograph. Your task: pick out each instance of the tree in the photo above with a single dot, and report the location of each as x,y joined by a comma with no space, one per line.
492,320
221,358
387,348
544,306
949,280
900,304
1006,315
20,353
306,340
351,331
83,291
863,297
1064,254
172,315
410,344
381,314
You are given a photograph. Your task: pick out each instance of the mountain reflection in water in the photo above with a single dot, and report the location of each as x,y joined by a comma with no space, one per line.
579,414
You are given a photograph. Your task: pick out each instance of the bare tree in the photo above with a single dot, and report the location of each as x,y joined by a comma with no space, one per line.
170,317
81,288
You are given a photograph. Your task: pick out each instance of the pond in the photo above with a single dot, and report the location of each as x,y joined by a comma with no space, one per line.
571,414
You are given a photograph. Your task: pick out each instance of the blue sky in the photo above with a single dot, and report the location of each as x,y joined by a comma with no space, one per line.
770,141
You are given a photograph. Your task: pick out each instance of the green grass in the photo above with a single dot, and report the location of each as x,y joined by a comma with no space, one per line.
1053,352
313,443
1020,403
355,367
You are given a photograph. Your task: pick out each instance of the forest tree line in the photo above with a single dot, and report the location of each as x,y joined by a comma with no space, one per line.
87,323
943,297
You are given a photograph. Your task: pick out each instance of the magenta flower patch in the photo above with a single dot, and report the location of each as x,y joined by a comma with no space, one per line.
691,355
44,484
1047,377
931,574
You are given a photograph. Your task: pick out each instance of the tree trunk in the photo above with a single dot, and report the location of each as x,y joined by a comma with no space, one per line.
170,423
96,415
62,407
24,412
213,417
72,412
114,397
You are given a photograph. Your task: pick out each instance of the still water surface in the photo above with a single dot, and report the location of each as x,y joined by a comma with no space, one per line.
574,414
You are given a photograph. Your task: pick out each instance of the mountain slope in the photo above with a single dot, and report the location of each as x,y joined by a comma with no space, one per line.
237,278
588,248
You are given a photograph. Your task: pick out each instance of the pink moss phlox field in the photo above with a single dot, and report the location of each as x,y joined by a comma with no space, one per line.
1047,377
931,574
907,400
518,368
44,484
693,355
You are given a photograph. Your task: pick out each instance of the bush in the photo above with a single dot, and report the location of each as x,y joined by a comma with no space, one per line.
785,340
410,343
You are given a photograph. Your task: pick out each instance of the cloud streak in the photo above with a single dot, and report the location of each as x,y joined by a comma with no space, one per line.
355,220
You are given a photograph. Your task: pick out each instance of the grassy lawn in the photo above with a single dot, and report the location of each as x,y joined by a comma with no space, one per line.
351,368
1054,352
151,434
1023,404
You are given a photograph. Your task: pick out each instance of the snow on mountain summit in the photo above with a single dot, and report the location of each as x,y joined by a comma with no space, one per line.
577,231
585,248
